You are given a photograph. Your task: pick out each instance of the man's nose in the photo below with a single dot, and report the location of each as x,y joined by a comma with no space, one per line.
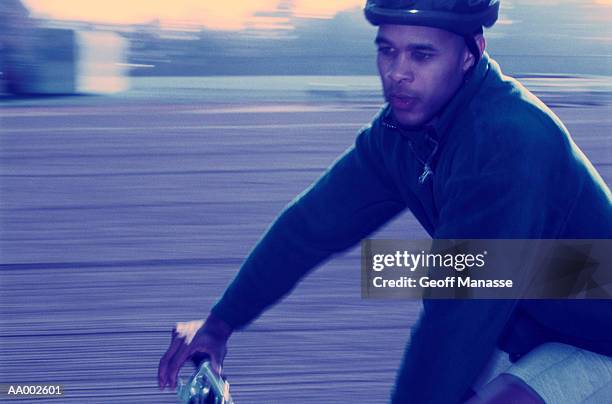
401,69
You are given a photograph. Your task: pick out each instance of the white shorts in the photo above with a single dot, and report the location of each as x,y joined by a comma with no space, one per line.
559,373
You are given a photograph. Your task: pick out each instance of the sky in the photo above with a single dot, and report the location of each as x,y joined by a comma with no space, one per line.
218,14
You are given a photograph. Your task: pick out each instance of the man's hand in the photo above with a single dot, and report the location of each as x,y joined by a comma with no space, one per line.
195,338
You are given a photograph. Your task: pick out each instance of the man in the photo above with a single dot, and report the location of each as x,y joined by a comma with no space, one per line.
472,154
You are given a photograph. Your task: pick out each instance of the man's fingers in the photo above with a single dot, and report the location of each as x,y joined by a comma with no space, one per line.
175,364
216,361
216,365
162,373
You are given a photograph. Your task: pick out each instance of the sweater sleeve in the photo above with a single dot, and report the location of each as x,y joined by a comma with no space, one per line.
353,198
498,189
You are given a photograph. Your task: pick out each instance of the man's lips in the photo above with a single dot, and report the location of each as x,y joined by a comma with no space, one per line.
402,102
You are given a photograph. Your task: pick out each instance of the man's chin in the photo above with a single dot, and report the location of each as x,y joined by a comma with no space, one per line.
409,119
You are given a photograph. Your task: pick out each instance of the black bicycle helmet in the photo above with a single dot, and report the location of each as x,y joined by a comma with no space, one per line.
464,17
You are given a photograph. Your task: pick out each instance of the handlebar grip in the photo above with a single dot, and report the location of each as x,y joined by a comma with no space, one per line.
204,386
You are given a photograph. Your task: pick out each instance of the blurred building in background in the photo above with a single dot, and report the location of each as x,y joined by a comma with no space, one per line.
44,55
566,38
37,58
16,46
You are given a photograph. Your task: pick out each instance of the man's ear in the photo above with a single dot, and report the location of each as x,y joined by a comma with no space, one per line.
469,60
481,42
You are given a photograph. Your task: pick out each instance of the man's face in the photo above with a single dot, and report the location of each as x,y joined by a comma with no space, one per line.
420,69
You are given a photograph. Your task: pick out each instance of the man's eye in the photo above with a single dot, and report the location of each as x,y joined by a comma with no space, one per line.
385,50
421,56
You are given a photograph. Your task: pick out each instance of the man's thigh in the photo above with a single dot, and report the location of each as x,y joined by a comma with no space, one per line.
555,372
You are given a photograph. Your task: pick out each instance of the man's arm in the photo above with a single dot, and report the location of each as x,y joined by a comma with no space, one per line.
351,200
